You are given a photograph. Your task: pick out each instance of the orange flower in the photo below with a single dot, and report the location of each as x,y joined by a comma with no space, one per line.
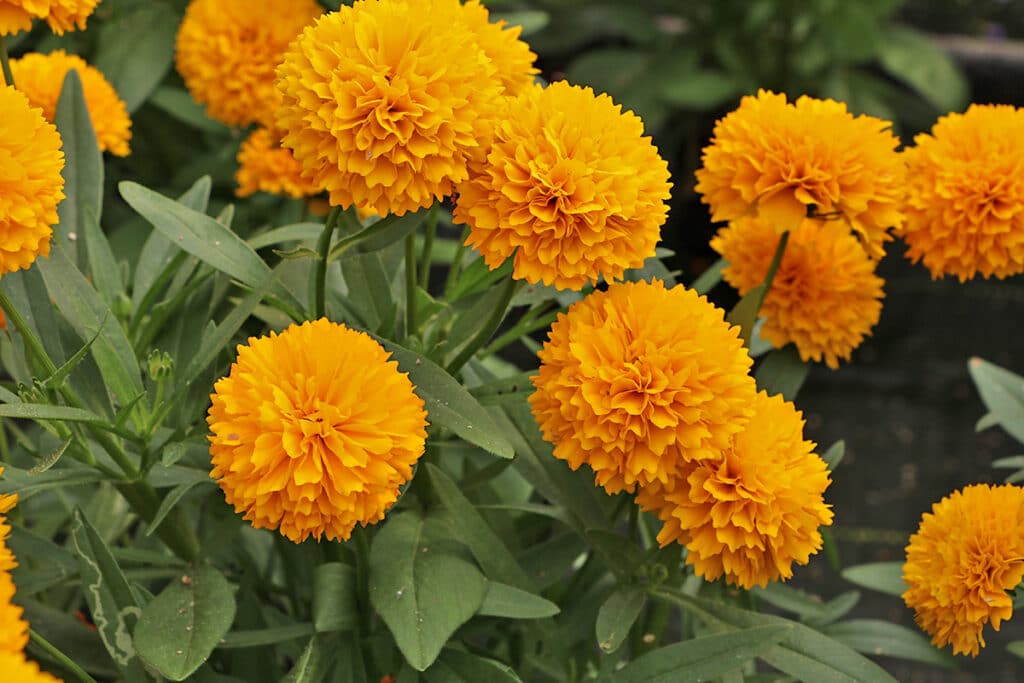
570,185
265,166
18,669
31,162
965,205
967,553
753,513
41,78
227,52
785,162
639,380
61,15
314,431
511,56
825,296
379,111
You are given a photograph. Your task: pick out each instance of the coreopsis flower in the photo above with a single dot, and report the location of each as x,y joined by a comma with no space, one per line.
18,669
31,184
386,100
314,431
570,185
501,44
965,194
41,78
60,15
639,380
825,296
754,512
265,166
785,162
227,52
967,553
13,629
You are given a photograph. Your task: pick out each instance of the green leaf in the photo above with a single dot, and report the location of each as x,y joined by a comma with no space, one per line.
315,661
809,608
702,89
369,291
877,637
136,67
169,501
884,577
456,666
180,105
103,268
421,586
915,59
334,598
265,636
111,601
448,403
300,232
83,164
510,602
497,561
782,372
51,459
1002,392
834,455
1016,648
27,485
617,615
745,313
87,314
383,233
804,653
196,233
531,20
617,551
45,411
702,659
709,278
182,625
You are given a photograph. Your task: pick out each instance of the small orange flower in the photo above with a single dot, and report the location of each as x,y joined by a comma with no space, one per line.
639,380
750,515
61,15
965,205
967,553
786,162
265,166
314,431
825,296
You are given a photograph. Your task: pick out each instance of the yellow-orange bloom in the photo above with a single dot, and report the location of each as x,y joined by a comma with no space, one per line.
511,56
825,296
639,380
314,431
570,185
18,669
31,184
752,514
965,194
227,52
41,78
377,107
784,162
265,166
967,553
61,15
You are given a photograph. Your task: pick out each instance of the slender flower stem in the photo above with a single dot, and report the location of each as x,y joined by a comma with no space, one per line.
774,267
5,63
410,284
428,246
323,246
485,331
65,662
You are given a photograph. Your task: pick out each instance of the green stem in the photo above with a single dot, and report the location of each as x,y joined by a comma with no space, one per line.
485,331
428,246
5,63
523,327
410,284
62,659
774,267
453,270
323,246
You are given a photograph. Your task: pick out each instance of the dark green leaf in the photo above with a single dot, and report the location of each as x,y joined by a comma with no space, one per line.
334,598
876,637
617,551
103,268
299,232
702,89
26,485
111,601
456,666
448,403
702,659
617,615
531,20
369,290
83,165
136,67
1003,394
170,500
809,608
884,577
834,455
315,661
709,278
915,59
782,372
45,411
745,313
266,636
510,602
421,587
180,628
179,104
